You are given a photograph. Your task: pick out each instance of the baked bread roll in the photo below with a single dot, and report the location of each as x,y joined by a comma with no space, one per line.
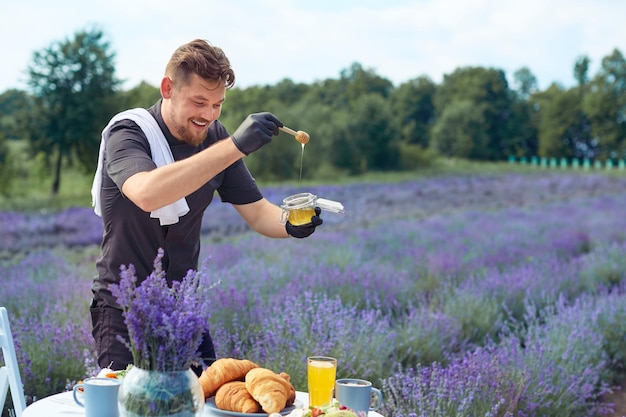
292,391
222,371
268,388
233,396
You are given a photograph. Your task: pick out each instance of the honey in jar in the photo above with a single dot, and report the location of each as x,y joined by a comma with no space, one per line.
299,208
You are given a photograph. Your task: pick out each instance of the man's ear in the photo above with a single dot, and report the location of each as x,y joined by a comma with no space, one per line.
166,87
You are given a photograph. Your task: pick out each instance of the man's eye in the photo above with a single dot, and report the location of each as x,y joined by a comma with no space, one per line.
198,103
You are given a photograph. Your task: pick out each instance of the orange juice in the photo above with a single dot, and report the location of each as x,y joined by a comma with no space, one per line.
321,372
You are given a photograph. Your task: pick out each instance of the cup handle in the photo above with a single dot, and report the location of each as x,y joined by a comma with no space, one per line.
76,387
379,395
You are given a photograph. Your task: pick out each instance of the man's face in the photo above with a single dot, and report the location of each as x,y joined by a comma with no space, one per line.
188,110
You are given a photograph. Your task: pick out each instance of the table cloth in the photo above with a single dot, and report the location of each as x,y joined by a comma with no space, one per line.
60,405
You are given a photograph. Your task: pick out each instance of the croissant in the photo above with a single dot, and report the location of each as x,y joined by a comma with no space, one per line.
292,391
268,388
233,396
222,371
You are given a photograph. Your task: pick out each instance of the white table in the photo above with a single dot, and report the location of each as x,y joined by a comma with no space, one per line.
63,405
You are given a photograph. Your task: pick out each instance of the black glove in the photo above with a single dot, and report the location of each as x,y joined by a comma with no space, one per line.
257,130
305,230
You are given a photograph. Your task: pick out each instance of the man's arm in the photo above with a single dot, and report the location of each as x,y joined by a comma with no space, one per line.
151,190
263,217
154,189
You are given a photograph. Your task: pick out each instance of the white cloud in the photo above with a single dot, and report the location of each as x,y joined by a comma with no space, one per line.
307,41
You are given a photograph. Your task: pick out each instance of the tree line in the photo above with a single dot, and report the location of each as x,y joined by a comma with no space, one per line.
357,122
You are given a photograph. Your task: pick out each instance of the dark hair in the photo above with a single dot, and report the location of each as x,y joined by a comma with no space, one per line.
200,57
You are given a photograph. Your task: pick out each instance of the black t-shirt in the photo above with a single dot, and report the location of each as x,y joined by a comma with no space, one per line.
130,235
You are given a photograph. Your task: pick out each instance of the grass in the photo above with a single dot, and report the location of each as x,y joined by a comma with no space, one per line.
31,187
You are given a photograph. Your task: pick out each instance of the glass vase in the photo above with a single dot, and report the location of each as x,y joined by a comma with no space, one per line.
159,394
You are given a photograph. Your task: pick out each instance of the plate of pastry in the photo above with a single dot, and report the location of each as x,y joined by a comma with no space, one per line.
210,402
239,387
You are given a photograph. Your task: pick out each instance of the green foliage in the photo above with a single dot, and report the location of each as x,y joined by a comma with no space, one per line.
526,83
358,122
360,82
74,85
581,70
605,106
371,137
522,139
414,110
14,106
7,168
480,317
425,345
611,322
487,90
414,157
563,127
30,183
604,265
460,131
143,95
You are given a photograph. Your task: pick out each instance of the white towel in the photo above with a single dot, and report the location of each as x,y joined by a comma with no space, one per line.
161,155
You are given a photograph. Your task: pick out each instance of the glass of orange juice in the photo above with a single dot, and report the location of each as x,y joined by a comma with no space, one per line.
322,371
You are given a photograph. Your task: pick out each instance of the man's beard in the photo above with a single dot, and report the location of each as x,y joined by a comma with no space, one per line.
185,134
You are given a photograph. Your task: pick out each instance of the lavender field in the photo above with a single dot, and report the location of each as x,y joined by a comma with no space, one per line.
478,295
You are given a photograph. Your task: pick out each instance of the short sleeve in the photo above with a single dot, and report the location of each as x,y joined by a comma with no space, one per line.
127,152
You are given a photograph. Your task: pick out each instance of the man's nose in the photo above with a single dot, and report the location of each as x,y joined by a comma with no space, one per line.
208,114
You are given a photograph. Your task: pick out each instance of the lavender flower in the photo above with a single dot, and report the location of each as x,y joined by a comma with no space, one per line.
165,324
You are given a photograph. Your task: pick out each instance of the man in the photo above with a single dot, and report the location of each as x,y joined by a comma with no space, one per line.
157,173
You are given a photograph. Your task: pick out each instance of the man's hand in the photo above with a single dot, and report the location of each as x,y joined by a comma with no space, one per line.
254,132
305,230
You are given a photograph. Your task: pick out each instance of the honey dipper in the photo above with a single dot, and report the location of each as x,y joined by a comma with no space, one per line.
300,136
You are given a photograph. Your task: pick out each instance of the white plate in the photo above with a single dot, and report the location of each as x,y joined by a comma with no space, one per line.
210,402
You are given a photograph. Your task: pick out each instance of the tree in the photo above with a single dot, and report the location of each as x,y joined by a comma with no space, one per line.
6,165
487,90
288,92
522,138
370,140
564,129
605,105
354,82
142,95
581,69
414,110
14,105
526,83
460,131
360,81
73,83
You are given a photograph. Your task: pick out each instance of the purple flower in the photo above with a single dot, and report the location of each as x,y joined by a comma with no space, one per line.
165,323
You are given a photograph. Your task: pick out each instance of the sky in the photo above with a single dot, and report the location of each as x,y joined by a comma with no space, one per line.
312,40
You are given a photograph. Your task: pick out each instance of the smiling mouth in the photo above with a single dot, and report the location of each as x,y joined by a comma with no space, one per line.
199,123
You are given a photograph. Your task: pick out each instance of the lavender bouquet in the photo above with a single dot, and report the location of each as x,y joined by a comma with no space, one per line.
165,323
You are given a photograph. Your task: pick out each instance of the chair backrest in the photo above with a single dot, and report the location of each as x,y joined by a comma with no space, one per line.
10,373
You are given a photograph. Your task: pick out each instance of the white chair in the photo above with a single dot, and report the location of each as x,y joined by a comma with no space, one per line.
10,372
